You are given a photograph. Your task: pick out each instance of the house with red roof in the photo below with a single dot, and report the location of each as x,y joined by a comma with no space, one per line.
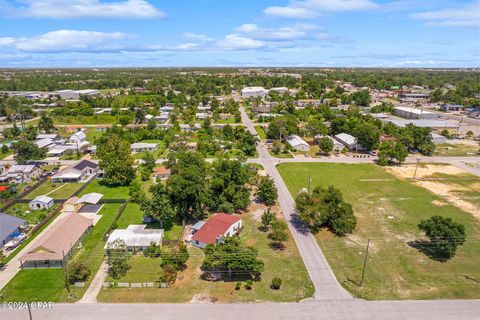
215,229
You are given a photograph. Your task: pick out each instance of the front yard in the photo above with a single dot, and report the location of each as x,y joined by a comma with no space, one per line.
189,287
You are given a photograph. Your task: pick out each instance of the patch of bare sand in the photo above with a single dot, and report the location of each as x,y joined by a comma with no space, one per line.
203,298
407,171
447,191
439,203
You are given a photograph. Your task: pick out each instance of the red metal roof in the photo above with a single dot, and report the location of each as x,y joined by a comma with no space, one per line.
215,226
3,188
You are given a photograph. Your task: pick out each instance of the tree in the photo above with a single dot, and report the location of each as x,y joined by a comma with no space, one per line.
117,259
5,149
159,207
325,144
3,261
78,272
230,256
46,124
135,191
115,159
26,150
267,190
228,184
444,234
390,152
188,183
267,218
279,233
325,207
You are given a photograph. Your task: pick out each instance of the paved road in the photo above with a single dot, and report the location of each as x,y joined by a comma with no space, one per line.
313,310
324,281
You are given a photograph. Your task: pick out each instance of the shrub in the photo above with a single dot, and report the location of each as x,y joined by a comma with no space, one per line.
276,283
238,285
249,284
77,272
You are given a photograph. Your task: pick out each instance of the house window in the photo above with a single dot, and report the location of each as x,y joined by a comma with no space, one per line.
196,241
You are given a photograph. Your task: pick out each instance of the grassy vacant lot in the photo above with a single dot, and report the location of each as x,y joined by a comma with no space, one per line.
120,192
48,284
456,150
36,285
55,190
285,264
388,210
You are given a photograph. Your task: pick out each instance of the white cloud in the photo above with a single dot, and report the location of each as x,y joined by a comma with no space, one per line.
67,41
467,15
65,9
282,33
313,8
238,42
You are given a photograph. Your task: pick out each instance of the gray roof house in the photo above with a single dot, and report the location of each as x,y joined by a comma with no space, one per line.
9,227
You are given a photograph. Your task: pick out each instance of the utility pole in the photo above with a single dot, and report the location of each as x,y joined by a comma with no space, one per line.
365,263
309,183
65,274
29,311
416,167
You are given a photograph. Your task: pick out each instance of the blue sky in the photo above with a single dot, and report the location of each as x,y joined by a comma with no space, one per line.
163,33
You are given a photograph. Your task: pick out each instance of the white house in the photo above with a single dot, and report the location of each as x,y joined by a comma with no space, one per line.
78,138
136,237
414,113
348,141
76,173
215,229
298,143
254,92
41,203
142,146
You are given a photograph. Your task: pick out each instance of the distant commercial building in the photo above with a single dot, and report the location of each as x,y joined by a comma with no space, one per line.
414,96
254,92
449,125
437,138
76,94
414,113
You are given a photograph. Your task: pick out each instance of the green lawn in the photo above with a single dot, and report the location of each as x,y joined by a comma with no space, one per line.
36,285
388,211
286,264
142,269
55,190
118,192
456,150
33,217
6,154
261,132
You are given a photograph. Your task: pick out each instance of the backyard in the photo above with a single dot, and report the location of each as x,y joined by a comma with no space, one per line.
23,211
109,192
189,287
388,210
55,190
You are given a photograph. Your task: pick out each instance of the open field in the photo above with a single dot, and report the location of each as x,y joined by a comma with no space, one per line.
55,190
388,210
456,150
118,192
189,287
